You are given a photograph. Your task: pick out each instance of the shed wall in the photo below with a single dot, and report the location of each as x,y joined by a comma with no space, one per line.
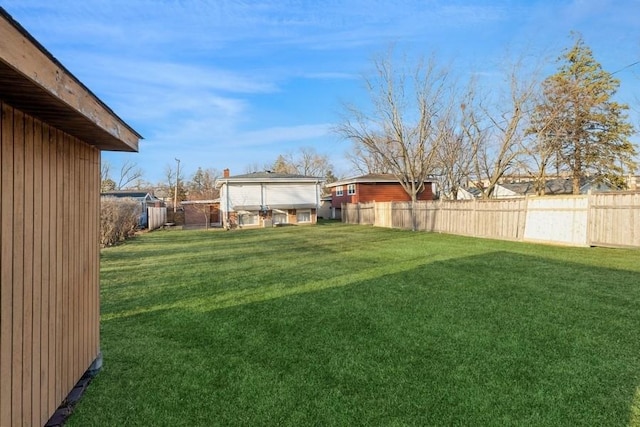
49,266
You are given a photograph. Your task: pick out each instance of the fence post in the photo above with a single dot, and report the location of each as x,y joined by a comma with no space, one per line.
589,218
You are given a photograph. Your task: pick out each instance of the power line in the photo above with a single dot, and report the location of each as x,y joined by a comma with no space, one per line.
625,67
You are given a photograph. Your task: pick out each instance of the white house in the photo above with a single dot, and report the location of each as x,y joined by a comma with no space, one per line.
552,187
264,199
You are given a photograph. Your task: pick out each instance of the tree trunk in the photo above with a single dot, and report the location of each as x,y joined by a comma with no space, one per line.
575,184
414,219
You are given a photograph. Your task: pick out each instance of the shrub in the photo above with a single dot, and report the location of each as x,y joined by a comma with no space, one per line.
118,219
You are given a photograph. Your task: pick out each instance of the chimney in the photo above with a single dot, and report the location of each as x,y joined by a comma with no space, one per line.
225,173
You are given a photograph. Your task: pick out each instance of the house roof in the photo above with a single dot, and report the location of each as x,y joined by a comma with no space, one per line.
201,202
35,82
370,178
134,194
272,175
473,191
267,176
555,186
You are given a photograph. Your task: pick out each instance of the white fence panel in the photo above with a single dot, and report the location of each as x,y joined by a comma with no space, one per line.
560,220
157,217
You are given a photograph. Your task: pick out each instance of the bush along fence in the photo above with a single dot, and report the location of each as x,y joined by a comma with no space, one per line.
119,219
603,219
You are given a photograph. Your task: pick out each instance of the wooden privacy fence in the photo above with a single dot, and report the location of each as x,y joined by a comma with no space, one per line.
614,220
157,217
359,213
610,219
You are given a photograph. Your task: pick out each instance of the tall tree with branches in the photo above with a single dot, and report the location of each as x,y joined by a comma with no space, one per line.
129,173
580,122
460,147
305,161
496,127
130,176
403,127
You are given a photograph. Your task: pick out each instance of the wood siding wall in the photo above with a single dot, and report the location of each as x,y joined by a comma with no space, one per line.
49,266
388,193
378,192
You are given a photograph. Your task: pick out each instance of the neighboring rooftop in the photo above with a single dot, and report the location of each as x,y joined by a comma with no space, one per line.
272,175
368,178
135,194
266,176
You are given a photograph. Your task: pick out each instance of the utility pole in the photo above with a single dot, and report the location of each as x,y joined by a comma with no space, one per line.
175,193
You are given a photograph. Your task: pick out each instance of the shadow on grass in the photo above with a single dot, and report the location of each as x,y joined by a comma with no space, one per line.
497,339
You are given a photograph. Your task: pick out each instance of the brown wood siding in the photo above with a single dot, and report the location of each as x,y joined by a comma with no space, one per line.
378,192
388,192
49,266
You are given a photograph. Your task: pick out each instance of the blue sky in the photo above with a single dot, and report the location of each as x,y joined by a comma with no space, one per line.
232,84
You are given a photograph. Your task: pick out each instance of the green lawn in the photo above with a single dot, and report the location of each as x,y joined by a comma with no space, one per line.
338,325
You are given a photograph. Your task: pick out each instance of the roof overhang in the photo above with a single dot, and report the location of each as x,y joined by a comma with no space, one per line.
367,180
33,81
200,202
277,207
239,181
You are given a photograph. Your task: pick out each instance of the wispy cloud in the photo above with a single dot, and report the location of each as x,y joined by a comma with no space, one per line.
232,81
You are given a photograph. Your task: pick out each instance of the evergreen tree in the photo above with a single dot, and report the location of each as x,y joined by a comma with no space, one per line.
282,165
579,122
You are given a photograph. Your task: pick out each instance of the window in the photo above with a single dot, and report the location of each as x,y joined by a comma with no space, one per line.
339,190
303,216
279,217
351,189
248,218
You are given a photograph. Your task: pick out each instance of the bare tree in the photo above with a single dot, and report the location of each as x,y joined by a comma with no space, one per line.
106,183
140,184
498,131
404,127
541,155
129,172
168,186
105,170
311,163
255,167
202,187
407,122
365,163
306,161
459,149
202,184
